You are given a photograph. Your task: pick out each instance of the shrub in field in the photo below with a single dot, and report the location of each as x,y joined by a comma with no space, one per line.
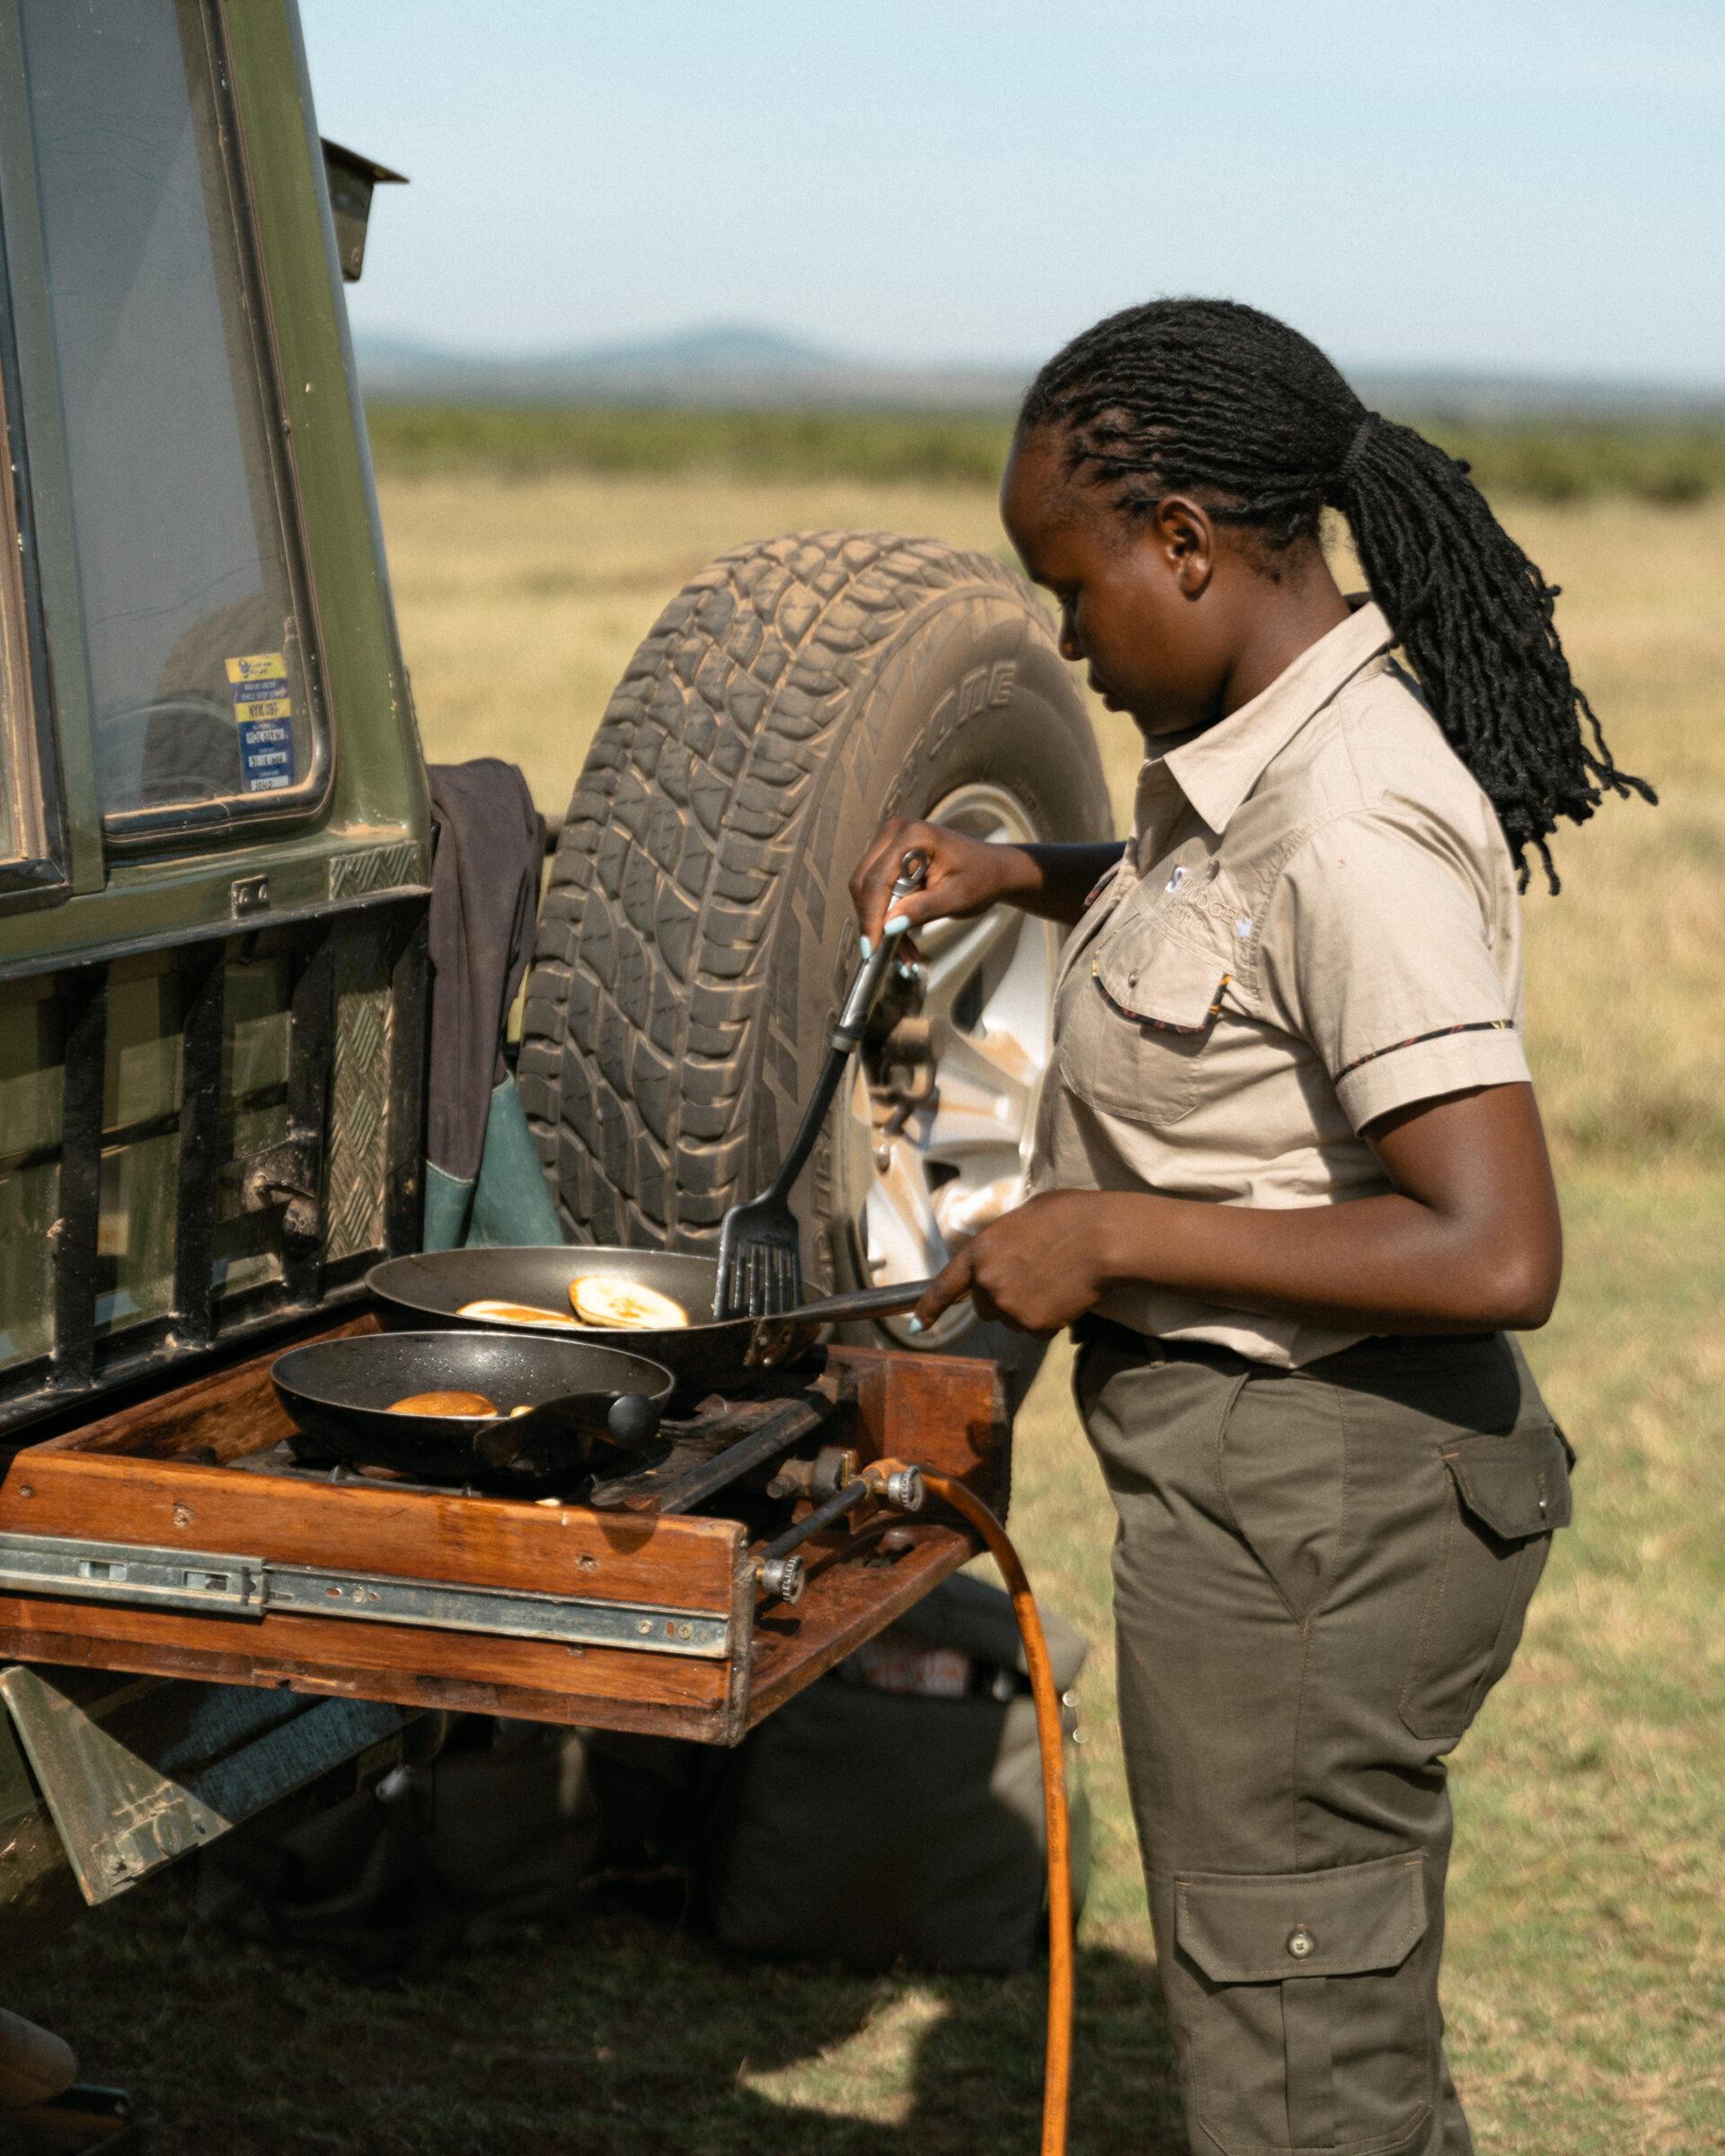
942,449
1578,460
1554,461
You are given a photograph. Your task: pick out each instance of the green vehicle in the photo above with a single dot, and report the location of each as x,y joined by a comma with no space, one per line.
215,855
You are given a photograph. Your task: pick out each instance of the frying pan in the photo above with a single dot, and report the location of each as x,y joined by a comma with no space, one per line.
706,1354
591,1405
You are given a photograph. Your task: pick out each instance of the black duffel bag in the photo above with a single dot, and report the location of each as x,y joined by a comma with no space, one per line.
893,1812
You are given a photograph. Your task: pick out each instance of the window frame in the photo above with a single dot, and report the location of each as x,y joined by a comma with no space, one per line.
164,828
37,871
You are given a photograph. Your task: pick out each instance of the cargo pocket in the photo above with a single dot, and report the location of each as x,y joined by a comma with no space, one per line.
1311,2020
1507,1495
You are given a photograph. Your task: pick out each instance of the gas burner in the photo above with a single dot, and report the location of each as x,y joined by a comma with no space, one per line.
723,1443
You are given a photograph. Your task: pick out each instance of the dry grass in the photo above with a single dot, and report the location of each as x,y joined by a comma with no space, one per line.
1587,1965
1583,1944
521,605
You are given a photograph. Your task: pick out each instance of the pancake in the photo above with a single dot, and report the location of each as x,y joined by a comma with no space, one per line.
624,1305
490,1311
443,1404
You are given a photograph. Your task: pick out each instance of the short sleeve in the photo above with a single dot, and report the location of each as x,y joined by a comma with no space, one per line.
1377,949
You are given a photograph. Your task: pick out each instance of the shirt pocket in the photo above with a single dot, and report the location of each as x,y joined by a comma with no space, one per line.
1152,1002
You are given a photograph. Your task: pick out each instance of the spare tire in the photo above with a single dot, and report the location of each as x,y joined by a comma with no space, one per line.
697,932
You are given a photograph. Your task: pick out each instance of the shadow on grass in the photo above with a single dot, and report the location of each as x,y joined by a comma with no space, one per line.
623,2036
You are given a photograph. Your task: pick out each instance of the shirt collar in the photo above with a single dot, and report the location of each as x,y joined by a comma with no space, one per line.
1216,769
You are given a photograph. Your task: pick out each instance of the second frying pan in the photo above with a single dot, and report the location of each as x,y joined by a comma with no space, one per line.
584,1406
430,1287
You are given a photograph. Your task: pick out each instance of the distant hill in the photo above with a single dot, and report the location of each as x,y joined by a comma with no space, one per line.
728,364
740,365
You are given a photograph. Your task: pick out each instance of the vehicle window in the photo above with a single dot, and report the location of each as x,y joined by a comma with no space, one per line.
203,710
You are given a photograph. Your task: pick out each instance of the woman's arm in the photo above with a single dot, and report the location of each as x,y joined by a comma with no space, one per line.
1468,1240
967,876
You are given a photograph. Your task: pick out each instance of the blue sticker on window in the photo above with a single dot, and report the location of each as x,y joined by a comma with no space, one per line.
266,755
263,711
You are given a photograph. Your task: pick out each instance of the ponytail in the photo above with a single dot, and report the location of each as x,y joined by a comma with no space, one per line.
1214,398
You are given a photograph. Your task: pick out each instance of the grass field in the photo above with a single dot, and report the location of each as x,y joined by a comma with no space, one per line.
1586,1962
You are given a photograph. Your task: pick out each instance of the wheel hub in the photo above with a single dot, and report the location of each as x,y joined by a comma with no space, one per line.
942,1105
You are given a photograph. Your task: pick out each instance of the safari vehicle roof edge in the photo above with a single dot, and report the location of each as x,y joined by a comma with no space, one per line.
371,832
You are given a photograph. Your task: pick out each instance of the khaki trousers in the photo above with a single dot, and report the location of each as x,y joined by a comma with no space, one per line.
1319,1574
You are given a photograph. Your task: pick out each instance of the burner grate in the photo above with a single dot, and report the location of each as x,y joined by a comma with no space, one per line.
698,1457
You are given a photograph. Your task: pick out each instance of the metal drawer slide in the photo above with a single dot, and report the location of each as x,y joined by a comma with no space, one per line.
140,1577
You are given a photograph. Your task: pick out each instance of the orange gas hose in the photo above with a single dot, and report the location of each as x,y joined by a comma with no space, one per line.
1051,1740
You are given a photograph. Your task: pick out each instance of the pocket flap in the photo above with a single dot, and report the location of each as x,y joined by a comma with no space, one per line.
1146,973
1518,1484
1265,1927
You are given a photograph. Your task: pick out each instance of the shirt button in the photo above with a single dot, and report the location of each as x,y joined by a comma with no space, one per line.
1132,982
1300,1942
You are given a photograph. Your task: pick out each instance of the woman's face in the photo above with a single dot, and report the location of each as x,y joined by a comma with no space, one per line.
1140,604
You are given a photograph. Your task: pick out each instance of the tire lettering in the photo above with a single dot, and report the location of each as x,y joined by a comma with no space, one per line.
973,693
942,720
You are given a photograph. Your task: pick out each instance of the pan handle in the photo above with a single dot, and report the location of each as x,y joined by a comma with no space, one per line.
861,1303
848,1029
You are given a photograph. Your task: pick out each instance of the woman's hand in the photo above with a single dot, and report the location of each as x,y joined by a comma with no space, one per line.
966,876
1039,1267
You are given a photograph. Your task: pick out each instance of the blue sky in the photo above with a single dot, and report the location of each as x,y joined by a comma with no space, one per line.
1503,184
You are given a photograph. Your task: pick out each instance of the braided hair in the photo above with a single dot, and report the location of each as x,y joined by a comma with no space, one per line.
1214,399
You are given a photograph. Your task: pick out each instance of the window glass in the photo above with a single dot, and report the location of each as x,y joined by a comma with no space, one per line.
197,661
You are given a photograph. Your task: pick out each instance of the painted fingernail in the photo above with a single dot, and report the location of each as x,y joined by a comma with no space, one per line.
899,924
915,1325
868,947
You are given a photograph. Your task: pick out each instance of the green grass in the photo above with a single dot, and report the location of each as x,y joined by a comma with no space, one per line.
1586,1973
1546,461
944,449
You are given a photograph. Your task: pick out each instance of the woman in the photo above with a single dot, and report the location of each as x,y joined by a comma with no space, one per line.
1291,1189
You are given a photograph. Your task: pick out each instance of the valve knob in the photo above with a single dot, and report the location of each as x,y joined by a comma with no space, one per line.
905,1490
784,1577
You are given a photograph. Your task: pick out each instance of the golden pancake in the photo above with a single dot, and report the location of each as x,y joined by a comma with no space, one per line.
624,1305
443,1404
490,1311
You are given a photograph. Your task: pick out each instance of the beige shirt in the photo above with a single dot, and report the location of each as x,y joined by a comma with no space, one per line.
1315,922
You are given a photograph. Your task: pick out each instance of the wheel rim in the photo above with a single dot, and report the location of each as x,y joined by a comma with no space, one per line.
919,1179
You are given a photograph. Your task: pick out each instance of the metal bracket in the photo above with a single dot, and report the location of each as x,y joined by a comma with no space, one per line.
286,1173
138,1775
131,1573
649,1629
250,1587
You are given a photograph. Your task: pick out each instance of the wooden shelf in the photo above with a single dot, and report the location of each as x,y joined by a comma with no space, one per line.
168,1476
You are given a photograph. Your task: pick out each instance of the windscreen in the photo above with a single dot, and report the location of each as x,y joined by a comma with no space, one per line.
196,659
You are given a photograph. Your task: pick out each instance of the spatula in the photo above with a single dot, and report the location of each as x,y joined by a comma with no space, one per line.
760,1245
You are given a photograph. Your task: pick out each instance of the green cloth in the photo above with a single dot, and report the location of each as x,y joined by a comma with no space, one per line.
510,1203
